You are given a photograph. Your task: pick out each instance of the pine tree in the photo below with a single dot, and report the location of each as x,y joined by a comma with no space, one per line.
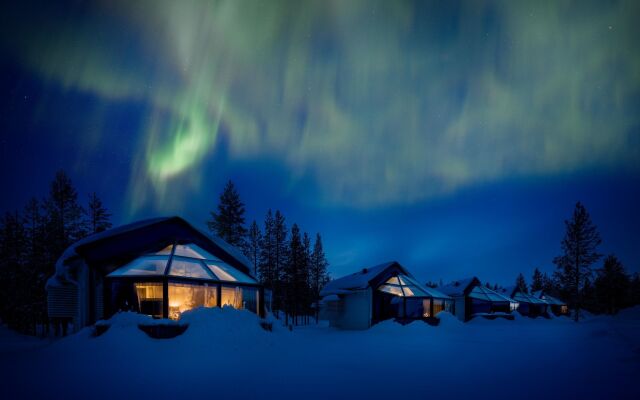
579,252
254,245
318,271
99,216
548,285
266,265
537,282
634,291
14,288
521,283
65,223
293,272
305,279
612,285
37,266
280,255
228,222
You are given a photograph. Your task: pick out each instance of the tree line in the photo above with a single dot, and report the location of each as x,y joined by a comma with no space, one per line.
284,260
606,289
32,240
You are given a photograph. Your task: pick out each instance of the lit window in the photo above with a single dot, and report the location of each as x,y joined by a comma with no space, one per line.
231,296
143,266
150,298
188,268
193,251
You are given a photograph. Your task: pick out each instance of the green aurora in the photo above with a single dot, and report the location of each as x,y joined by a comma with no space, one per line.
377,102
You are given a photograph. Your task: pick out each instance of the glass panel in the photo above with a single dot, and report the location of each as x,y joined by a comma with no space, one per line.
448,306
184,297
143,266
188,268
250,299
166,251
150,298
231,296
407,291
426,308
193,251
394,290
227,273
438,305
393,280
210,295
413,308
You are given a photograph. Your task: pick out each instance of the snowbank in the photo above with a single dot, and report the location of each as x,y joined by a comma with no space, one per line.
225,353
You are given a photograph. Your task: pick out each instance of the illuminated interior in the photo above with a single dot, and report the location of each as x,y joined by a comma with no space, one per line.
193,278
401,296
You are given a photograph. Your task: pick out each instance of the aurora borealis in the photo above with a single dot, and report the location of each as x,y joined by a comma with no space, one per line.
354,111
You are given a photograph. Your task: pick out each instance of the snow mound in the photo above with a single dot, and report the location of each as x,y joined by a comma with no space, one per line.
630,313
448,320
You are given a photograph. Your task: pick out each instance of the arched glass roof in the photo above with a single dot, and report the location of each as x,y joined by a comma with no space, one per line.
187,261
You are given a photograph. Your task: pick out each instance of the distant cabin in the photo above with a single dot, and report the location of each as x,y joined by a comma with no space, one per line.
556,306
161,267
528,304
386,291
472,299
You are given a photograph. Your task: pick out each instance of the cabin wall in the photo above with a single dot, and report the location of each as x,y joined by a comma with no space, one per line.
352,311
460,308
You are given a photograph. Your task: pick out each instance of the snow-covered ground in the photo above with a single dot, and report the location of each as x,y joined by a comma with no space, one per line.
225,354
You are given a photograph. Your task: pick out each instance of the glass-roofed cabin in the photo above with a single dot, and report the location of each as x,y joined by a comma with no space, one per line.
386,291
528,305
161,267
472,299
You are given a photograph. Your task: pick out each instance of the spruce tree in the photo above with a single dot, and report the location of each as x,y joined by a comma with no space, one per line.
254,245
292,274
537,282
280,254
318,271
579,252
521,283
612,285
65,223
99,216
266,265
228,222
305,278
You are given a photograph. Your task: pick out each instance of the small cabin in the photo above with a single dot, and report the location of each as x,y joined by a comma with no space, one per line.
472,299
161,267
386,291
555,305
529,305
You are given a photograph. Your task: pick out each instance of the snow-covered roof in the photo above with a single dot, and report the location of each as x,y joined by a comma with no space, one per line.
75,249
523,297
456,288
356,281
401,283
540,294
481,292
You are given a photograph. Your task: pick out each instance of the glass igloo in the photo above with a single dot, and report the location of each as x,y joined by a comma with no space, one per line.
177,278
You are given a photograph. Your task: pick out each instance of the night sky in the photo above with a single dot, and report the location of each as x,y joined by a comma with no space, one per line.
454,137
